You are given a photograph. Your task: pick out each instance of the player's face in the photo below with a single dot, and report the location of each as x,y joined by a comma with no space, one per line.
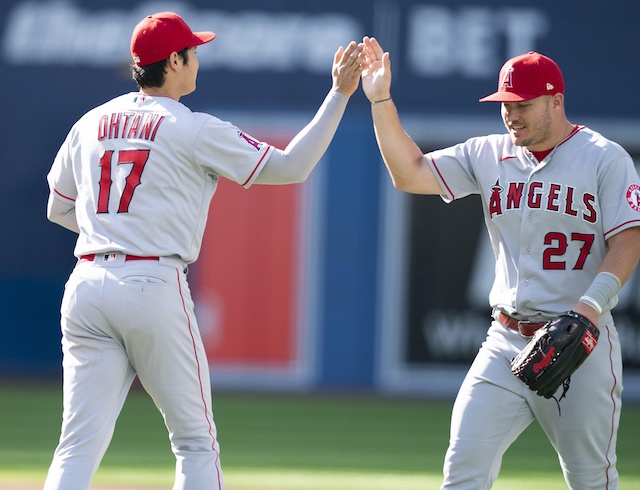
529,123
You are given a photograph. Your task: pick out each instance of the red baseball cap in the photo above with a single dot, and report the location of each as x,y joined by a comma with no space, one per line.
526,77
158,35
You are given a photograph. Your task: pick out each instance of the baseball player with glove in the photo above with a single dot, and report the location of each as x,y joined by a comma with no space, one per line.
134,179
562,208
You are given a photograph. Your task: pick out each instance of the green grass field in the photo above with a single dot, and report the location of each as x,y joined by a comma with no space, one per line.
287,442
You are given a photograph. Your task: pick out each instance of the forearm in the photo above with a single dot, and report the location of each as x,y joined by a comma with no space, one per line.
62,213
299,158
616,269
623,254
404,160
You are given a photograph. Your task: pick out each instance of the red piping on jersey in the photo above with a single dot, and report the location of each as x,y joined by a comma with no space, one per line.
613,401
63,196
199,368
575,129
441,177
544,153
606,233
257,166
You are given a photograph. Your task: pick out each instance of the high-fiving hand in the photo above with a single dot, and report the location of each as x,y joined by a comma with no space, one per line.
376,76
347,67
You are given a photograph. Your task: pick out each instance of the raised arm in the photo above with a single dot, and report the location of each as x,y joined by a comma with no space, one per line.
299,158
404,159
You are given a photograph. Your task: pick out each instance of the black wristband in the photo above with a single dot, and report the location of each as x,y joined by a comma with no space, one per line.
378,101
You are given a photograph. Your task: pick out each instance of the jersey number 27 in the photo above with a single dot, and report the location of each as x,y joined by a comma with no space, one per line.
558,245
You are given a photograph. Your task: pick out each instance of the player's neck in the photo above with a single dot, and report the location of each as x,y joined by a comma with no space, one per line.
567,130
159,92
174,87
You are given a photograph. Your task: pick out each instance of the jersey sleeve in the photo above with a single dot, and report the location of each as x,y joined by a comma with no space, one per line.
619,195
453,168
225,150
61,180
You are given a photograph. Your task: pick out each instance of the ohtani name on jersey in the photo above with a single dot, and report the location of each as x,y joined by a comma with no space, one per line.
141,125
560,198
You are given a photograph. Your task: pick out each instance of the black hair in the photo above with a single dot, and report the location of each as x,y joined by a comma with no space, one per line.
153,75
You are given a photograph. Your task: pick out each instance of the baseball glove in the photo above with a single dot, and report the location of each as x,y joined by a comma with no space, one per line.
554,353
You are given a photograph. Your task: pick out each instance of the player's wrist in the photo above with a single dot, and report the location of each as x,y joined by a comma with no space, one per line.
587,311
591,303
379,100
601,292
340,91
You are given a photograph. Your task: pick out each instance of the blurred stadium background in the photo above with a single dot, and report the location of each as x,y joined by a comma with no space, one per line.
341,283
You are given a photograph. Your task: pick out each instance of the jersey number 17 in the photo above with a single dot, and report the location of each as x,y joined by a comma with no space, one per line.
138,159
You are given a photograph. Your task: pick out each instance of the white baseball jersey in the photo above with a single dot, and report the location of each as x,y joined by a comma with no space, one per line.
139,147
547,221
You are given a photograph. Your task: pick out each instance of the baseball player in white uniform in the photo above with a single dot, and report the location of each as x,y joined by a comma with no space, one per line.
562,208
134,178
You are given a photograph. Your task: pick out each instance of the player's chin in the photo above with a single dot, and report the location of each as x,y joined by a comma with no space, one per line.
519,140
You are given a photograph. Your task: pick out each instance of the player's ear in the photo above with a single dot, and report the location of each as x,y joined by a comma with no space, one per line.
558,100
174,61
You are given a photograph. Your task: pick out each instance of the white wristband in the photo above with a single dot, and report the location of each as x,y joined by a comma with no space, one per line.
591,302
602,291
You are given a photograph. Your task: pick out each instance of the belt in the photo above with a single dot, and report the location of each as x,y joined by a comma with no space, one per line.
526,329
91,257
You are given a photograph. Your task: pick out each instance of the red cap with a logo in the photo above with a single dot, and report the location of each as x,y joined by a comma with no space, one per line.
159,35
526,77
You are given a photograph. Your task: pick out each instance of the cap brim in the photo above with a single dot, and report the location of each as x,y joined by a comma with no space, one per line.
202,37
508,97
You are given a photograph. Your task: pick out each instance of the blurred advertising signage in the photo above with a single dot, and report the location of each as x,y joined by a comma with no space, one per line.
441,39
291,44
470,41
63,33
246,278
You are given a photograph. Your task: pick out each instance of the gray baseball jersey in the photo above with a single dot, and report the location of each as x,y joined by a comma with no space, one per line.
142,146
544,217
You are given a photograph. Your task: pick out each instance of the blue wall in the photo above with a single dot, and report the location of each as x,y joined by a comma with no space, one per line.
351,253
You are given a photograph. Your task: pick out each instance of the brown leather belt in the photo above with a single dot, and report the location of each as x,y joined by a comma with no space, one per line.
526,329
91,257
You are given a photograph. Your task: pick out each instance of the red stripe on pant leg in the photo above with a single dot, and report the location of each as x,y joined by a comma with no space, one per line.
204,401
613,401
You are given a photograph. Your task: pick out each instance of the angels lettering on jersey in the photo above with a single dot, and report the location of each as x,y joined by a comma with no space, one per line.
560,198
